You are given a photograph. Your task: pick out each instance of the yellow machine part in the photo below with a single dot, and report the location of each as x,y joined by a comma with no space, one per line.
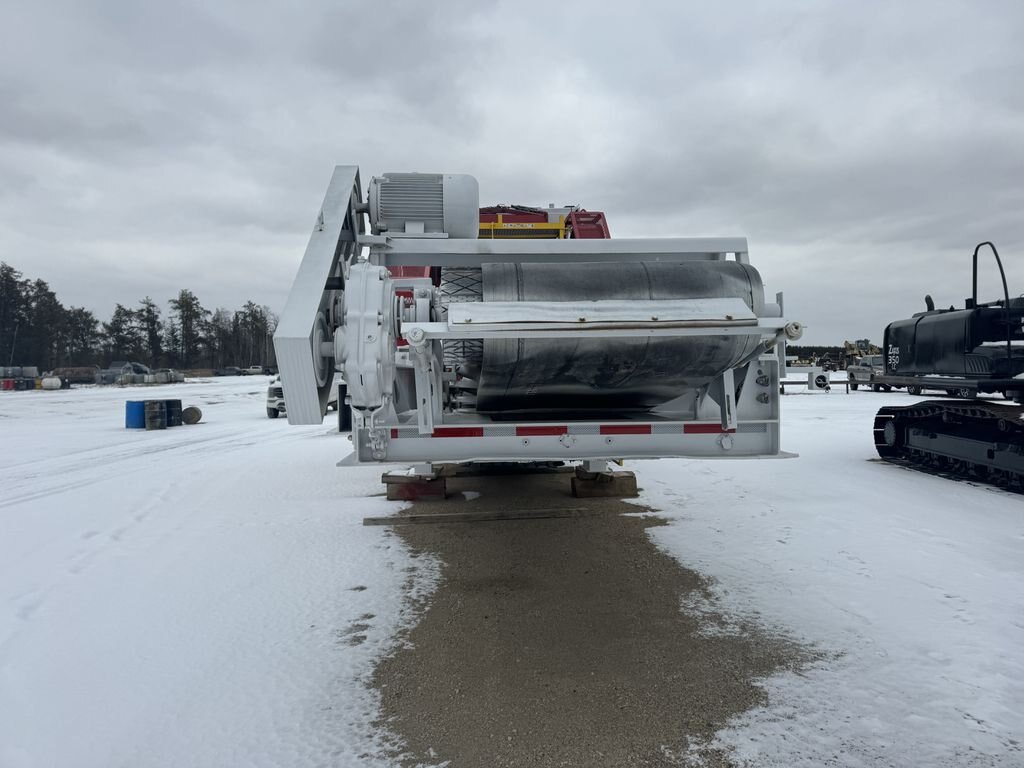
540,231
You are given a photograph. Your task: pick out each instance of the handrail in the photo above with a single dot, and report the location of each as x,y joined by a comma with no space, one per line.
1006,293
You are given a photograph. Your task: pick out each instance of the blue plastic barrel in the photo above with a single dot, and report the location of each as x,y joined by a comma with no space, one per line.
135,414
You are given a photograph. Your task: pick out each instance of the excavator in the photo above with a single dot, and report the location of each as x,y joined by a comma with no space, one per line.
978,349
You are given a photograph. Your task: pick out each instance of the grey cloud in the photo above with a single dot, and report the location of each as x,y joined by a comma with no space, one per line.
863,148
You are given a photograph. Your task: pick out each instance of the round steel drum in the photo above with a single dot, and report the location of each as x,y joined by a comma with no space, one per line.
578,377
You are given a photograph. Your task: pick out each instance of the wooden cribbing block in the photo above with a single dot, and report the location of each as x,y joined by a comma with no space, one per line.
590,485
414,487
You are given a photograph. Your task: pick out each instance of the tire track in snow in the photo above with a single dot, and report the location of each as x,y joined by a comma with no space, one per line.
98,465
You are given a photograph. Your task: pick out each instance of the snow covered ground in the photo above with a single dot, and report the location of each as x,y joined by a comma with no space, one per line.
201,596
208,595
912,585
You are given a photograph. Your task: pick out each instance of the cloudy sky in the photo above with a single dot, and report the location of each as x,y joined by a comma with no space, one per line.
864,148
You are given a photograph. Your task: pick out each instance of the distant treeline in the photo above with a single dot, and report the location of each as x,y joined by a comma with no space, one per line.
36,329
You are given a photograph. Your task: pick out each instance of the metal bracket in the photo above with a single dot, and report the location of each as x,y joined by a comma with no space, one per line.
429,385
723,391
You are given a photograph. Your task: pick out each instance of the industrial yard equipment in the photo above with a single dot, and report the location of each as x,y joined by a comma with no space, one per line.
458,342
964,352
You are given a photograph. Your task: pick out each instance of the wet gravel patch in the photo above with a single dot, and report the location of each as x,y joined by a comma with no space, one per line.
563,642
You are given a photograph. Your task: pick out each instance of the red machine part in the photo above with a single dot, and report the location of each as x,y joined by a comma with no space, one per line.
588,225
518,214
434,273
410,271
578,223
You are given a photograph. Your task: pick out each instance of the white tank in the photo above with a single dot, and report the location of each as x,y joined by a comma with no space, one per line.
51,382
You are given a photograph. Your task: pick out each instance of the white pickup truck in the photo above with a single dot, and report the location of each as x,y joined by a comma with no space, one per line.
275,398
863,373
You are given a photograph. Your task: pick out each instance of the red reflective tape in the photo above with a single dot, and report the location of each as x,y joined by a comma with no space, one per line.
459,432
531,431
394,433
625,429
705,429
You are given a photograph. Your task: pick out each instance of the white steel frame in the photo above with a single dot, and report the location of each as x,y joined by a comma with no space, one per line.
709,423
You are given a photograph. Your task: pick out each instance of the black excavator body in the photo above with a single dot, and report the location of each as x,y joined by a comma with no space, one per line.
979,348
967,343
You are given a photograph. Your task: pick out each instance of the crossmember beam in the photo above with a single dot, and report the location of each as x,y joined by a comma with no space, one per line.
571,314
392,251
569,442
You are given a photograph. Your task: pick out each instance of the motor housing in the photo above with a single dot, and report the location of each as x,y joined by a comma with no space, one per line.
424,205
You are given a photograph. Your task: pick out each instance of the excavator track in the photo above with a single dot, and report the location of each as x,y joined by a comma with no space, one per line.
971,440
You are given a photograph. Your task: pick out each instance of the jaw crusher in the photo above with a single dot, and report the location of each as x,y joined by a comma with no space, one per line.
459,345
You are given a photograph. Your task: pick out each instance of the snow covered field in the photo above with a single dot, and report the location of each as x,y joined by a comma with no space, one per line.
913,586
208,595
